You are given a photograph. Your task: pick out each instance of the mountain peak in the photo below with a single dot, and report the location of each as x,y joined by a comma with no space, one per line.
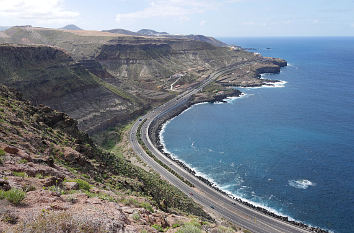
71,27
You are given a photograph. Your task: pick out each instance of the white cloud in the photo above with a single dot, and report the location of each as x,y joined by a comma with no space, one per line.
179,9
40,10
202,23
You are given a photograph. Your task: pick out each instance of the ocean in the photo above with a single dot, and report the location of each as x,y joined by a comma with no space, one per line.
288,148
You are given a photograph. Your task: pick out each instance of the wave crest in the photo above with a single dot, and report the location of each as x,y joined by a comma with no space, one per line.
301,183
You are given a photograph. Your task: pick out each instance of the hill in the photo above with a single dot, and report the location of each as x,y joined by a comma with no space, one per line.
71,27
149,32
123,32
54,179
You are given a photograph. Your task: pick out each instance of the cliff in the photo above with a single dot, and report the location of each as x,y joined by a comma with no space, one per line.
48,75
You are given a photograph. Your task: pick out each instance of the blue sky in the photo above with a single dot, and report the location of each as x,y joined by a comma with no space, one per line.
208,17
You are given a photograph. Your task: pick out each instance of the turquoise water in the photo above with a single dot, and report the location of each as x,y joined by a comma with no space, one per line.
291,148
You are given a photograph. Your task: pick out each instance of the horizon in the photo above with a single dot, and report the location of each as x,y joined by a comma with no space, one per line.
226,18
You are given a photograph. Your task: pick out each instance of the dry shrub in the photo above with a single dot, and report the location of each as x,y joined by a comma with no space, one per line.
60,222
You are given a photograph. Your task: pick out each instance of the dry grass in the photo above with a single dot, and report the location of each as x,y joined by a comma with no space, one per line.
60,222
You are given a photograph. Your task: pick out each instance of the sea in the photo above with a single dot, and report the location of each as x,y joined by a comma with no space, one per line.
288,148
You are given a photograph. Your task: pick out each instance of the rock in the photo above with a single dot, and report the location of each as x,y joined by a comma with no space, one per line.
50,162
71,186
11,150
4,185
52,181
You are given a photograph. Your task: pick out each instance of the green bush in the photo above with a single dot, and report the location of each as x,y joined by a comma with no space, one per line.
20,174
147,206
15,196
175,225
84,185
158,227
2,152
136,216
2,194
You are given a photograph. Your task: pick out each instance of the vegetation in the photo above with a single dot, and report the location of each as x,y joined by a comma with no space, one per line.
84,185
191,227
158,227
60,222
20,174
15,196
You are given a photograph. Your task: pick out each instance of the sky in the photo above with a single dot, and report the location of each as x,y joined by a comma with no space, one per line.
220,18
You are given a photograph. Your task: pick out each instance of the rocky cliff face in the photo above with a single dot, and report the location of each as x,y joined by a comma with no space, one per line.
49,76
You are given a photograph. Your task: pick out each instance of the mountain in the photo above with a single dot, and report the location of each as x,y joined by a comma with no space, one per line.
122,32
71,27
149,32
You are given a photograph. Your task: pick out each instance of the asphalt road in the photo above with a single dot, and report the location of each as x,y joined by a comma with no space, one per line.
208,197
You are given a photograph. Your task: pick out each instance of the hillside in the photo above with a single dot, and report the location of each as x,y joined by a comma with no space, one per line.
122,32
103,79
150,32
52,176
49,76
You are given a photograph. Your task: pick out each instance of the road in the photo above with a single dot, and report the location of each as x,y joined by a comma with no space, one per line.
208,197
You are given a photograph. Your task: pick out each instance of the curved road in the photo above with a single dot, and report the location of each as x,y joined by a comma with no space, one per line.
208,197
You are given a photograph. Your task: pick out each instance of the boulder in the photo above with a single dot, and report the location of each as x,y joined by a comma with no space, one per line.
71,186
11,150
52,181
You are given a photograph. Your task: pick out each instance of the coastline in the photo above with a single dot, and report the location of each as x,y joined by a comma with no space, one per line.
157,128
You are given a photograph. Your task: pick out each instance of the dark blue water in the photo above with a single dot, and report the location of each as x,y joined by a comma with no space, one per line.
290,149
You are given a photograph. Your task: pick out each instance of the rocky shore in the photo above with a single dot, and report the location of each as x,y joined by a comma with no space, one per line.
157,124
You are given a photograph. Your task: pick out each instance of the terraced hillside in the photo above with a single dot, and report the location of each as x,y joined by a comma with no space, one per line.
103,79
48,75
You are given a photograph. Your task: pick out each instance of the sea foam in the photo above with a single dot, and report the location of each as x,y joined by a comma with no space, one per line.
301,183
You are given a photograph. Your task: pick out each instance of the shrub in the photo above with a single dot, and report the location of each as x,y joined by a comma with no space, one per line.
15,196
175,225
2,194
20,174
222,229
39,176
157,227
84,185
189,228
60,222
28,188
23,161
147,206
136,216
2,152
